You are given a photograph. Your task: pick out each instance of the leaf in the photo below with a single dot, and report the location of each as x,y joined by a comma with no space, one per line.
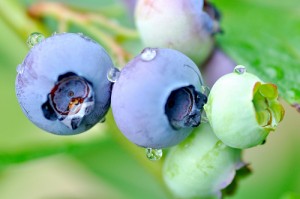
110,162
264,36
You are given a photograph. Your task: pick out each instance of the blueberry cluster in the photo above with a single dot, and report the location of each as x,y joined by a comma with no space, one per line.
63,88
67,83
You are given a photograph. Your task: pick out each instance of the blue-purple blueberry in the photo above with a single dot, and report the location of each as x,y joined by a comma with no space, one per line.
158,98
62,85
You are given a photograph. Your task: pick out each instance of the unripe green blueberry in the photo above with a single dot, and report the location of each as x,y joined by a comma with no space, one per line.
182,25
242,109
201,165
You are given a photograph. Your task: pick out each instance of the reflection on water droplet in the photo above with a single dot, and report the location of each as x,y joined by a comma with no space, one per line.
113,74
102,120
154,154
148,54
34,38
20,68
239,69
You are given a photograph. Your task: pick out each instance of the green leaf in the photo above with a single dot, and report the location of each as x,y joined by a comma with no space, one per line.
120,169
264,36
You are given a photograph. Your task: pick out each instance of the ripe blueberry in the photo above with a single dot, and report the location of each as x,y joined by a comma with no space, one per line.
158,98
62,87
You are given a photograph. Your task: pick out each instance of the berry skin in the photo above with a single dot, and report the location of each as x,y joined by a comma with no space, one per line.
62,87
182,25
157,99
242,109
201,166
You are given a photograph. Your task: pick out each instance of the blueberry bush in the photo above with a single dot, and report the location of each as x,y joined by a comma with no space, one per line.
149,99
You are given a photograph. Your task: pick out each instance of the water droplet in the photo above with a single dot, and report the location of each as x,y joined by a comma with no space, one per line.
34,38
154,154
148,54
239,69
102,120
113,74
20,68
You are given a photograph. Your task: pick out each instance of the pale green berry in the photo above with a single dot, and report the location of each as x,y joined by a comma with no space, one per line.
182,25
201,165
242,109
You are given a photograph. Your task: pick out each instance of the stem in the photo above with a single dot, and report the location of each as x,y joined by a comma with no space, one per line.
61,12
65,15
110,25
14,15
63,26
116,51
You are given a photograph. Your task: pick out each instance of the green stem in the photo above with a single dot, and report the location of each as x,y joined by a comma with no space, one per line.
112,26
115,50
111,11
85,21
15,16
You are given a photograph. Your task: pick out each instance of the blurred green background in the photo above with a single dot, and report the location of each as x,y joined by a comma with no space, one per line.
102,163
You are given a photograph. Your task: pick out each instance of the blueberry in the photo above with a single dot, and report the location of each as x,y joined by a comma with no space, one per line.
242,109
201,166
184,25
62,87
158,98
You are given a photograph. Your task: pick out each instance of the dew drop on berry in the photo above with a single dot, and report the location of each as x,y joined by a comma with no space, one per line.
154,154
20,68
239,69
148,54
34,38
113,74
